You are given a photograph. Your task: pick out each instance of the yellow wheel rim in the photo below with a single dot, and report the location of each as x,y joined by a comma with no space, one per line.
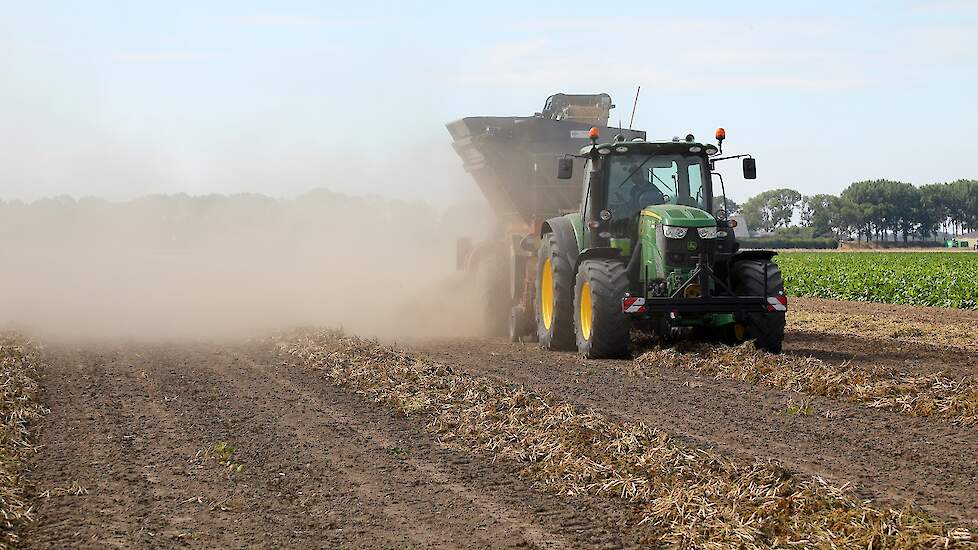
586,314
547,294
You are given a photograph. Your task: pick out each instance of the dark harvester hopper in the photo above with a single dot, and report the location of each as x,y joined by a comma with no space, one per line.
513,159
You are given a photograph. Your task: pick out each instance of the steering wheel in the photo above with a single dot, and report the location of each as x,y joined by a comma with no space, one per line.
640,191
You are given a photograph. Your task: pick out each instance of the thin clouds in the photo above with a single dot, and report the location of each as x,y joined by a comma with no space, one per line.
699,55
746,64
238,99
944,40
279,20
163,56
947,6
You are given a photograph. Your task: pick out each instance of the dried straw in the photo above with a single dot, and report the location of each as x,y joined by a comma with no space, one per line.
18,408
691,497
950,334
954,399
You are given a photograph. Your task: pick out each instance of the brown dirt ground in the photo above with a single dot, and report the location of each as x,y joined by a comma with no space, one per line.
912,339
325,467
886,456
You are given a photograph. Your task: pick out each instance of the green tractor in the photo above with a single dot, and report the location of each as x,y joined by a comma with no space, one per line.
651,248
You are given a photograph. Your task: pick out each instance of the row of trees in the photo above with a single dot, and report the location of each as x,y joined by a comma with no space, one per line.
871,210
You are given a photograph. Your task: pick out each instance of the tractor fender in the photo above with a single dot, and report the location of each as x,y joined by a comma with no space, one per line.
598,252
563,231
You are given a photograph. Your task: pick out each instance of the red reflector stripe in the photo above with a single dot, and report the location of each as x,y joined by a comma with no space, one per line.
777,303
633,305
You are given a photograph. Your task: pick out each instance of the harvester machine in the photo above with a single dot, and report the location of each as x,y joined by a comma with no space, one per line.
513,160
639,240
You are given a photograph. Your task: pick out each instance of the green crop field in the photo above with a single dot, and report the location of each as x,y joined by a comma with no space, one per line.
941,279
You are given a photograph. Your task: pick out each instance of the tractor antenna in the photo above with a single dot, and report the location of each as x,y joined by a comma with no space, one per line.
634,106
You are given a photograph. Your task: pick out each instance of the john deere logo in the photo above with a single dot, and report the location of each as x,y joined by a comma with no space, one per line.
691,245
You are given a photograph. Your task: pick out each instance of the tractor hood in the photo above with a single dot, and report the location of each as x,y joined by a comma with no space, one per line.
679,215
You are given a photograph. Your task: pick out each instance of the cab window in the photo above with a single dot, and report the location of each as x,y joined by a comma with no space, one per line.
694,174
637,181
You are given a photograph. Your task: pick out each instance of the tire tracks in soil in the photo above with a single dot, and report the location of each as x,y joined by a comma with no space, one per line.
324,467
891,458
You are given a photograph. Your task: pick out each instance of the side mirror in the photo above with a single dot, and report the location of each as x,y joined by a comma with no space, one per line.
750,169
565,168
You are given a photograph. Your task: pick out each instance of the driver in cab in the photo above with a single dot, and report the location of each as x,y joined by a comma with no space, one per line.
634,192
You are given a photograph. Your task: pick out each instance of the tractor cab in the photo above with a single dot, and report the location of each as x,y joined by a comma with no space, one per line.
667,182
633,176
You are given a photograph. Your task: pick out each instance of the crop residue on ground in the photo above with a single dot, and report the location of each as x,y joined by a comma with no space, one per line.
904,329
954,399
18,408
689,496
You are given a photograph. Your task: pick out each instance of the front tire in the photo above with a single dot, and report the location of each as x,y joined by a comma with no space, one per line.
765,329
554,300
602,329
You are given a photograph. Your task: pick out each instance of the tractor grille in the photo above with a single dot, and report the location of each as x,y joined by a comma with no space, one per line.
683,252
680,259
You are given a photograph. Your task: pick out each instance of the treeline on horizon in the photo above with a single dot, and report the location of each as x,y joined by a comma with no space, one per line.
867,210
320,217
186,265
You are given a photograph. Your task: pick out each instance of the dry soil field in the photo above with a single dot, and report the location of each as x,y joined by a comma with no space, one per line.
864,432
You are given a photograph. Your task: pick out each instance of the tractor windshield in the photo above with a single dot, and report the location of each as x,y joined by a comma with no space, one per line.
635,182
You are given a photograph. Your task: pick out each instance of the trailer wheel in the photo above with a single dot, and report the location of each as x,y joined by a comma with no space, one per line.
493,286
554,303
520,325
765,329
602,328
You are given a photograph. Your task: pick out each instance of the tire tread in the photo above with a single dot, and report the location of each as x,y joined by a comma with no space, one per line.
560,337
610,328
765,329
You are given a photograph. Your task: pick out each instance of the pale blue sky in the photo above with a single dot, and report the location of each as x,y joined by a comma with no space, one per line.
119,99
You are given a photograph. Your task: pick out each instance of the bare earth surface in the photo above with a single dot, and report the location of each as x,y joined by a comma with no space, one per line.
918,339
886,456
325,467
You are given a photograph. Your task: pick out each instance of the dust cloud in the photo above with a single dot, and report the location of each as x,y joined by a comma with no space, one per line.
223,266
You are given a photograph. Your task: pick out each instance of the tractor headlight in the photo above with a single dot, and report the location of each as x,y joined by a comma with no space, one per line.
707,232
673,232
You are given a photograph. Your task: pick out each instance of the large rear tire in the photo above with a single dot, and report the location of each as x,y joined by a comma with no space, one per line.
602,329
554,300
765,329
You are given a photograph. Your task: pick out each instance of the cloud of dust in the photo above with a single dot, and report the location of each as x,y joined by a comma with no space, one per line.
176,266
